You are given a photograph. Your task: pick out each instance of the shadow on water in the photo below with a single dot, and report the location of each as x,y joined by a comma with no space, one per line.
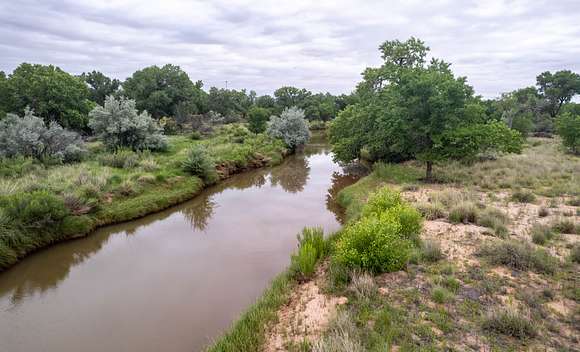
245,226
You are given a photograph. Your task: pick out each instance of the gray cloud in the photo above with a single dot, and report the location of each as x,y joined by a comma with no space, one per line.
499,45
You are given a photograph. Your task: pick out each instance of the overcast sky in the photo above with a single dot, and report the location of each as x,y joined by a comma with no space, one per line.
319,45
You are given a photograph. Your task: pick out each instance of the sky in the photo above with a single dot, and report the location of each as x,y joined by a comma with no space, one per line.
499,45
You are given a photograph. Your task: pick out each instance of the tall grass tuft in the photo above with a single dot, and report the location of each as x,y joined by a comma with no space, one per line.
519,256
199,163
510,322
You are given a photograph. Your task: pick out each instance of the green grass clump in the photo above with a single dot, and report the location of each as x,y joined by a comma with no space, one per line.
37,209
541,234
122,159
494,219
565,226
441,295
523,196
464,213
431,211
200,164
430,252
575,253
519,256
311,247
511,323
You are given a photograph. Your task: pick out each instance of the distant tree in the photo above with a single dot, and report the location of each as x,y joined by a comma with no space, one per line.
523,110
3,94
558,88
290,126
412,110
287,97
160,90
53,94
266,102
568,126
118,125
257,119
29,136
100,86
229,102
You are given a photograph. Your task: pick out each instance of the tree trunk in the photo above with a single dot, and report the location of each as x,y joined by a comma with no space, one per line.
429,173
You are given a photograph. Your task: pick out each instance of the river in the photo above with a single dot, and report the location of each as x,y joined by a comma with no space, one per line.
175,280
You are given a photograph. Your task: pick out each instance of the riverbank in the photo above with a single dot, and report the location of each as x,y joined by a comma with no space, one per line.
497,268
56,203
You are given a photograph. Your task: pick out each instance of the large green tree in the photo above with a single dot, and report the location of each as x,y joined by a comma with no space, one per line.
3,95
229,102
411,109
53,94
160,90
558,89
287,97
100,85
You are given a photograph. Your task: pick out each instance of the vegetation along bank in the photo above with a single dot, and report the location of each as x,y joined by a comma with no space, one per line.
465,236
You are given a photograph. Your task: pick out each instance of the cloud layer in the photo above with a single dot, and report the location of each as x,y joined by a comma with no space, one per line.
499,45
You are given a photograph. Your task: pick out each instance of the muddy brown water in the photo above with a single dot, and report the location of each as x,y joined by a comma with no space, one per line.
174,280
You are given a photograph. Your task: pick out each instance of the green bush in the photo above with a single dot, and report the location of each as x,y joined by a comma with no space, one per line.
431,211
494,219
568,127
380,201
575,254
440,295
314,236
519,256
410,220
375,244
510,322
523,196
195,135
565,226
122,159
304,262
199,163
36,209
258,119
541,234
464,213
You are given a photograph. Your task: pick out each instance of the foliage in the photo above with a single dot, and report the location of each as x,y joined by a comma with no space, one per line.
465,212
568,127
558,88
164,91
440,295
541,234
494,219
519,256
36,209
510,322
28,136
291,127
199,163
229,102
314,236
118,125
311,247
53,94
565,226
575,254
523,196
257,119
100,86
122,159
412,110
381,201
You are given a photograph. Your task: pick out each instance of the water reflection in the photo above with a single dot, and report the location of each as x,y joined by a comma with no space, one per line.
243,227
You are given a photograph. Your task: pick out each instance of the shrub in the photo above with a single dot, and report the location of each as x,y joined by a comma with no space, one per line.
375,244
541,234
568,127
199,163
195,135
431,211
519,256
363,285
381,201
431,251
543,212
575,253
440,295
257,119
464,213
564,226
118,125
37,209
509,322
494,219
317,125
410,220
122,159
291,127
523,196
28,136
149,165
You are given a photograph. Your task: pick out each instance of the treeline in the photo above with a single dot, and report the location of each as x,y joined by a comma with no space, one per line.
167,93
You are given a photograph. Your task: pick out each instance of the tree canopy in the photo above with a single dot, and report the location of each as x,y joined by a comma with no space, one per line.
410,109
53,94
558,88
100,86
160,90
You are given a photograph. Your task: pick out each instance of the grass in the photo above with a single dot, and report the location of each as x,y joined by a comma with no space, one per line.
519,256
494,219
523,196
464,213
541,234
121,186
510,322
441,295
563,225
